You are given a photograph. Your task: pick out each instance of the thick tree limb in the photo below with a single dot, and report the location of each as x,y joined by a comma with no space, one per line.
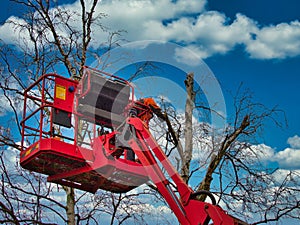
216,159
188,129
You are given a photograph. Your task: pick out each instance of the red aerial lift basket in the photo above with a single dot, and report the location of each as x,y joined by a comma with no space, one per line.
77,134
64,126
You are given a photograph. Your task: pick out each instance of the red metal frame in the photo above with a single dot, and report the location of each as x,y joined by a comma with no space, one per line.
69,163
104,165
42,103
187,210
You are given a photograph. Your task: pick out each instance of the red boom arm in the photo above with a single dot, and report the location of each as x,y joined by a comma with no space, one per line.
188,210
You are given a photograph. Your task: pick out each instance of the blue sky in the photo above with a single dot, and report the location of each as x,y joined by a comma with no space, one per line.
273,81
255,42
265,12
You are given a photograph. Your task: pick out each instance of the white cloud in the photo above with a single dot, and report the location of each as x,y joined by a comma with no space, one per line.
294,141
262,151
208,33
187,22
5,104
280,41
281,175
184,56
9,32
11,156
288,158
143,20
189,56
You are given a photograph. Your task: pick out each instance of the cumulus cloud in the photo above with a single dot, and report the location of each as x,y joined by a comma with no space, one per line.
187,22
294,141
281,175
288,158
9,33
7,101
262,152
280,41
205,32
10,155
212,34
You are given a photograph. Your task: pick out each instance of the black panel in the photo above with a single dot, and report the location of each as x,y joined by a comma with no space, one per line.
107,95
61,117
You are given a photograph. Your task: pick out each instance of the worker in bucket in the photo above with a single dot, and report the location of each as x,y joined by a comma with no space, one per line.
144,108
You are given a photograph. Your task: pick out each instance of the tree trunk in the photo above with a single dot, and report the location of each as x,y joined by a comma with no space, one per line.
70,207
188,130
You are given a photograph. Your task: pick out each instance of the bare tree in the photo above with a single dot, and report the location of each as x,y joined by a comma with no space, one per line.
51,38
25,198
242,181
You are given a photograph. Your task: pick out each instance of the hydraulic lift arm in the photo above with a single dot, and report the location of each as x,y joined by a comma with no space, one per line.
187,209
